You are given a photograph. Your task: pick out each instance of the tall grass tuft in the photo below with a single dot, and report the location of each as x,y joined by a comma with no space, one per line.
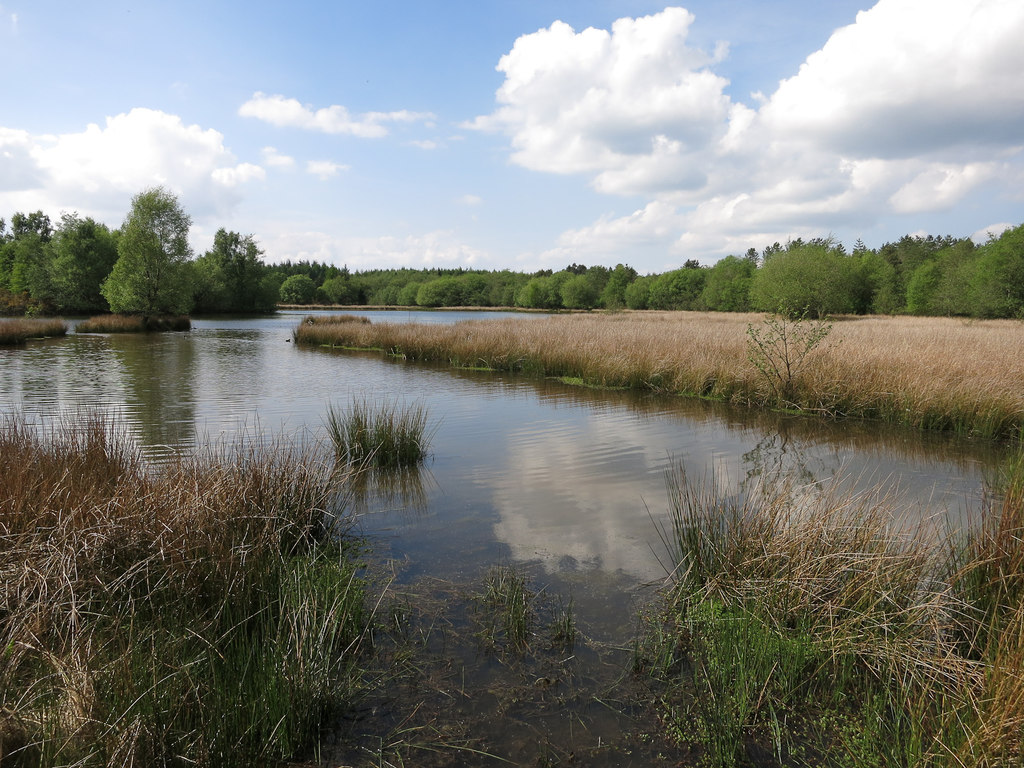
18,331
202,612
381,435
812,619
134,324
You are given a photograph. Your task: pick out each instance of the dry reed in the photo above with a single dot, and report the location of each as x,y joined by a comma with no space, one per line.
194,612
20,330
910,638
133,324
930,373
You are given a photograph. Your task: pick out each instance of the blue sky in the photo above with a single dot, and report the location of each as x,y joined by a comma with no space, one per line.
520,135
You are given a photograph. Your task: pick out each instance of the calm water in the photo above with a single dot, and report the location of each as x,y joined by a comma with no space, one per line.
567,482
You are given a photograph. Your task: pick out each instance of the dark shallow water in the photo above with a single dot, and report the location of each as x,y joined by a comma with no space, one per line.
567,484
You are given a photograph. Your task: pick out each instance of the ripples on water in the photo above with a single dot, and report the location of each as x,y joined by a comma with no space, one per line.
522,470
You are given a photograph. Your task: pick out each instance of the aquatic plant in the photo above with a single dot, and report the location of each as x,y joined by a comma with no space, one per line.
928,373
18,331
200,612
812,619
380,434
134,323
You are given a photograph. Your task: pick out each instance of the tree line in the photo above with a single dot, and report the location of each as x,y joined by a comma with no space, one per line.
147,266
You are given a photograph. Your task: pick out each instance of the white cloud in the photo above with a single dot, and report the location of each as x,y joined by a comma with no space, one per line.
600,102
425,144
471,200
992,230
275,159
910,76
335,119
432,249
324,169
240,174
99,169
914,108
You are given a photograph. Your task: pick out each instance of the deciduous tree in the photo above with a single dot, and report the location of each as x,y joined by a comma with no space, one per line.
150,276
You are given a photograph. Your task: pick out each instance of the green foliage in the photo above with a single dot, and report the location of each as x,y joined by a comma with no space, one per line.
779,349
638,293
297,289
84,253
998,286
680,289
150,276
613,296
816,278
921,288
580,292
727,285
231,276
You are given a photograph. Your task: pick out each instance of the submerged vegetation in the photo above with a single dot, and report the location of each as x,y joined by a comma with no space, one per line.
928,373
202,612
133,324
18,331
818,628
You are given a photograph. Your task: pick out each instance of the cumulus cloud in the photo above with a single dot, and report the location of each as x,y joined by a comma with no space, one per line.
440,248
324,169
601,101
911,109
285,112
275,159
97,170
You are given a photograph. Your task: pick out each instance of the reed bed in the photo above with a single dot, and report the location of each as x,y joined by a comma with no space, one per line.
202,612
816,625
334,319
134,324
930,373
20,330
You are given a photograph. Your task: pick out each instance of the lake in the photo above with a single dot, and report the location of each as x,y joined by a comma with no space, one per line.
566,483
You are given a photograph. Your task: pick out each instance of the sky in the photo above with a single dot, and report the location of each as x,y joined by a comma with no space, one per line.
522,135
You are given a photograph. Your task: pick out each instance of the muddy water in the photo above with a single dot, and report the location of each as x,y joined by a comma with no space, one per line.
565,485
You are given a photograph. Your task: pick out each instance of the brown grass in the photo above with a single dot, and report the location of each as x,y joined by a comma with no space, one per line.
133,324
912,635
931,373
188,614
18,331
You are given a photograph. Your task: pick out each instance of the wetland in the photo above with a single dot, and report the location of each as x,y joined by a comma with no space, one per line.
514,575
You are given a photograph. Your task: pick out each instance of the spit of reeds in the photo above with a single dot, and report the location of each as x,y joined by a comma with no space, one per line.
929,373
20,330
134,323
201,612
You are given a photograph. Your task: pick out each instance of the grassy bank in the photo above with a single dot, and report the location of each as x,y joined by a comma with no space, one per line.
808,626
930,373
20,330
133,324
203,612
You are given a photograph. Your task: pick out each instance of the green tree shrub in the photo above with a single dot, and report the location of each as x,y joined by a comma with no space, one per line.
150,276
297,289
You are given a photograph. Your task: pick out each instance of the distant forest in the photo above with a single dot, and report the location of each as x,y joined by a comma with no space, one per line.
49,267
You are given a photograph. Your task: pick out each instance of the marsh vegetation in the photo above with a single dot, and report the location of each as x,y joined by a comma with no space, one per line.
133,324
812,626
19,331
203,612
928,373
